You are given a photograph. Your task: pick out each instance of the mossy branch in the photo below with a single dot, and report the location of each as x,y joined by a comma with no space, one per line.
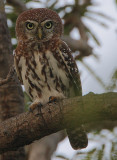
27,127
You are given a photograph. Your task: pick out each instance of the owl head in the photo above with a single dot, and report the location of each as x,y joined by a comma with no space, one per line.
39,24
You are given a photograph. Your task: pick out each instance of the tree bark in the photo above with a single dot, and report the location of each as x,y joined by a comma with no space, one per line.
53,117
11,96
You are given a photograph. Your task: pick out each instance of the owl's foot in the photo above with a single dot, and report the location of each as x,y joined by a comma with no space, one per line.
53,99
35,106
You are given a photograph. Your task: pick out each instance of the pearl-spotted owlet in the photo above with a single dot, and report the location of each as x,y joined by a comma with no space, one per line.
44,63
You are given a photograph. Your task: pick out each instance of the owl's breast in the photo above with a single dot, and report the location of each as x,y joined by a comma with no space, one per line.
57,71
42,76
31,73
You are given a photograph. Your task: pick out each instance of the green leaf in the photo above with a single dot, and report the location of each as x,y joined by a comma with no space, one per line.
62,157
27,101
101,153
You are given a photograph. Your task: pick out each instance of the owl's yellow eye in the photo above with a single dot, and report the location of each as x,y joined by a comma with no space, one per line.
48,25
29,25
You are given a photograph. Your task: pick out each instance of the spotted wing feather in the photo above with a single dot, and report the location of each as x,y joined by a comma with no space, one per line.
77,135
71,67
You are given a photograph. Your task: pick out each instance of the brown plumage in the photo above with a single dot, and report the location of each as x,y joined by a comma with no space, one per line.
44,63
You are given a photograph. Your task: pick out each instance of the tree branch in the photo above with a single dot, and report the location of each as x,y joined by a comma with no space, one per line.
27,127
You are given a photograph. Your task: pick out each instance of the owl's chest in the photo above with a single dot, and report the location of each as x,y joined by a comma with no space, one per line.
43,72
34,68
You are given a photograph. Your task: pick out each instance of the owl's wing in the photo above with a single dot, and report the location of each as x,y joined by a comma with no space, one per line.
71,66
76,134
17,69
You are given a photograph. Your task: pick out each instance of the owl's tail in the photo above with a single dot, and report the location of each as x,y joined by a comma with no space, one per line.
77,137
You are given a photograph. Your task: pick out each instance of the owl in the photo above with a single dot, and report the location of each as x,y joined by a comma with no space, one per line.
44,63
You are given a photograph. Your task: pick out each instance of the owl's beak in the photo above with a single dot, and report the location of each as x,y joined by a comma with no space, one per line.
40,33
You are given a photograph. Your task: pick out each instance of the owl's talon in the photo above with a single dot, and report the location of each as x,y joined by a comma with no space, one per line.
52,99
34,106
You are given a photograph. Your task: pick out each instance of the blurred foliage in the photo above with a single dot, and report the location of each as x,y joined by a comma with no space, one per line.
102,146
113,82
27,101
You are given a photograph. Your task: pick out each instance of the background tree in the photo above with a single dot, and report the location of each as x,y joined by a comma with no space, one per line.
11,96
72,15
